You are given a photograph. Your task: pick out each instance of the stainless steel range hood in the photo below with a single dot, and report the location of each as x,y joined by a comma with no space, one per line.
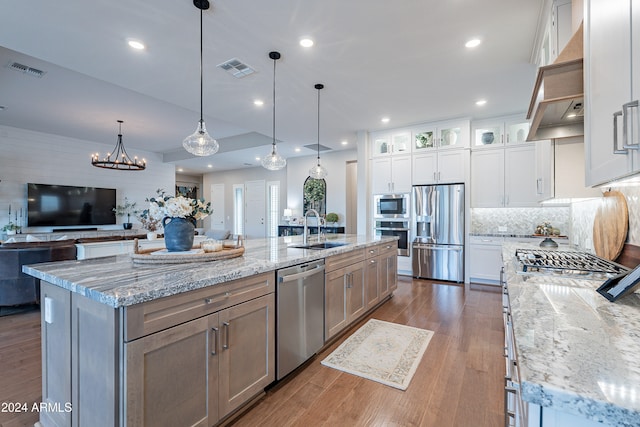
556,109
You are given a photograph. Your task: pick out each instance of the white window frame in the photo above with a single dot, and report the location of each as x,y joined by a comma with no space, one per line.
273,208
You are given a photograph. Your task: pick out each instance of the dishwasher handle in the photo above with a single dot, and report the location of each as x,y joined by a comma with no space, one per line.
296,276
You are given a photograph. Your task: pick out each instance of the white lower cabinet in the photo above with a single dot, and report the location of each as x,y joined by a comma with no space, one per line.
485,259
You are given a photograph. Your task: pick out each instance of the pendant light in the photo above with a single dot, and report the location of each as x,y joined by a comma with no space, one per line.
118,159
200,143
274,161
318,172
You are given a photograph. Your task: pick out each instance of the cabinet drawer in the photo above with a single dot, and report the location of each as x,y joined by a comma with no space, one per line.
372,251
153,316
338,261
389,247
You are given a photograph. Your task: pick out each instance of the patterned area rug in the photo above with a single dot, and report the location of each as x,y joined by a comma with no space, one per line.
381,351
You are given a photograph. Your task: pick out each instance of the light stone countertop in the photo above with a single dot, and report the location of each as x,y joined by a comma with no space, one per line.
116,281
577,352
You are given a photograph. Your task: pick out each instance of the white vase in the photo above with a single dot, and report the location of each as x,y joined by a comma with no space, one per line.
11,232
152,235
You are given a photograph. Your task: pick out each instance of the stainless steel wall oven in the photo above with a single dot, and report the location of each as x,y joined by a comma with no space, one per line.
395,228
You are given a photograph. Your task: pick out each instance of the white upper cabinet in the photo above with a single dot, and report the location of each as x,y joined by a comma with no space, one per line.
389,143
499,131
391,175
443,167
612,122
504,177
441,135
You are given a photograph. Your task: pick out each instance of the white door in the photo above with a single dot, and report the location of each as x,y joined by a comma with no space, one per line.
381,175
401,174
255,209
217,204
452,166
425,168
487,178
520,176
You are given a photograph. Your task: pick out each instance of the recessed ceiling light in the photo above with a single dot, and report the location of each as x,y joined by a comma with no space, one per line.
481,102
385,120
258,102
179,169
135,44
297,149
258,158
472,43
345,142
306,42
209,166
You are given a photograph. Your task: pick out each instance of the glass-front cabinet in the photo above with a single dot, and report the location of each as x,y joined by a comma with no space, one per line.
500,131
388,143
440,136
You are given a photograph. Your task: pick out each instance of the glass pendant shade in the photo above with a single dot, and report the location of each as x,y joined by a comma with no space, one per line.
200,142
274,161
317,172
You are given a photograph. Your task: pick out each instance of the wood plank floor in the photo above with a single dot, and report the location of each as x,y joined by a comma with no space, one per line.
458,382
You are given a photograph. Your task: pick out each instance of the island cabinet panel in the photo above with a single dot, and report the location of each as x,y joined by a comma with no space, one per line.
153,316
371,282
171,376
196,373
247,352
55,313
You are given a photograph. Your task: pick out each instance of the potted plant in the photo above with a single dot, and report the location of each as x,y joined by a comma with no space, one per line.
128,209
331,218
11,228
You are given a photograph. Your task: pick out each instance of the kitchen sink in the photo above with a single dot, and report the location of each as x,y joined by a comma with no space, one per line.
321,245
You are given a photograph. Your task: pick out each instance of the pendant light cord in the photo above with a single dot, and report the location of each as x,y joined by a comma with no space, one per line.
201,88
318,127
274,102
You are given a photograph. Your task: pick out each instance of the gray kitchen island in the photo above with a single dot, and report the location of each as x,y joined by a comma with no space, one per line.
126,344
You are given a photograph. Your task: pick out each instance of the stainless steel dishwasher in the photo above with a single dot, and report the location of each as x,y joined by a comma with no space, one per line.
300,315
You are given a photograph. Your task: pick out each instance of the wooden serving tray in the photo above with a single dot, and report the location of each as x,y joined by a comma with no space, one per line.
145,256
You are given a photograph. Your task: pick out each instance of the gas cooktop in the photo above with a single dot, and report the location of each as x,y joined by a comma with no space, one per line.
551,262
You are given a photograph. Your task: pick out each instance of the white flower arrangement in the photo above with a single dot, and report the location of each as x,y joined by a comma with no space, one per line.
176,207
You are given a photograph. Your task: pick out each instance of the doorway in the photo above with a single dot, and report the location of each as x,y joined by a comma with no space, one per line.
254,213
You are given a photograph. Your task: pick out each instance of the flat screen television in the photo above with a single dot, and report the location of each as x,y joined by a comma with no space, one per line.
64,205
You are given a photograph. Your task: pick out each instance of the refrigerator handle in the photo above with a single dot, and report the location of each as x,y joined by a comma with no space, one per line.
432,226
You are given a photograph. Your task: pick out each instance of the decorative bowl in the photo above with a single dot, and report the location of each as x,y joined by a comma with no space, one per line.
487,138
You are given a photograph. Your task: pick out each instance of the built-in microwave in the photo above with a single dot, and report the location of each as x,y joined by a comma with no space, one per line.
391,205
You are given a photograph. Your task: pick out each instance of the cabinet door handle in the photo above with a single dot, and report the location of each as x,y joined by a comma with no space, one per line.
625,135
438,176
615,134
226,335
214,341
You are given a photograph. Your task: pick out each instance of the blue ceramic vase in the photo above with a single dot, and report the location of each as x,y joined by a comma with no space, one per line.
178,233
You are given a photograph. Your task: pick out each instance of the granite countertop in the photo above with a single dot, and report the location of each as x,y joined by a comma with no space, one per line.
577,352
116,281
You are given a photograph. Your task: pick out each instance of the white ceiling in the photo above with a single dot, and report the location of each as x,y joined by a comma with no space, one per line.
404,59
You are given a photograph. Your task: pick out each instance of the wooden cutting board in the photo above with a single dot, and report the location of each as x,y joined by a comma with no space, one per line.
611,225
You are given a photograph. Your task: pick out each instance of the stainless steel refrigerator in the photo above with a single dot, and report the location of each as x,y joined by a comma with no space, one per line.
438,216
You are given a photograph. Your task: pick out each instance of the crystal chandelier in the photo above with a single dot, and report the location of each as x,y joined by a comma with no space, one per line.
274,161
318,171
118,159
200,143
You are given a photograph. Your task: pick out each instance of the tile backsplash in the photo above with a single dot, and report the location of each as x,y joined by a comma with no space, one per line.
583,214
519,220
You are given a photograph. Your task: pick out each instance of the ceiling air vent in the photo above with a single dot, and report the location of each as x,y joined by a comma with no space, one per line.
26,69
314,147
236,68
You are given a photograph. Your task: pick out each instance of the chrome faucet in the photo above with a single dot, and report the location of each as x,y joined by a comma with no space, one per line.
305,232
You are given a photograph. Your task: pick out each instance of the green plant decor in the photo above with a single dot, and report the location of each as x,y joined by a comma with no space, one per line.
314,192
331,217
128,209
11,227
